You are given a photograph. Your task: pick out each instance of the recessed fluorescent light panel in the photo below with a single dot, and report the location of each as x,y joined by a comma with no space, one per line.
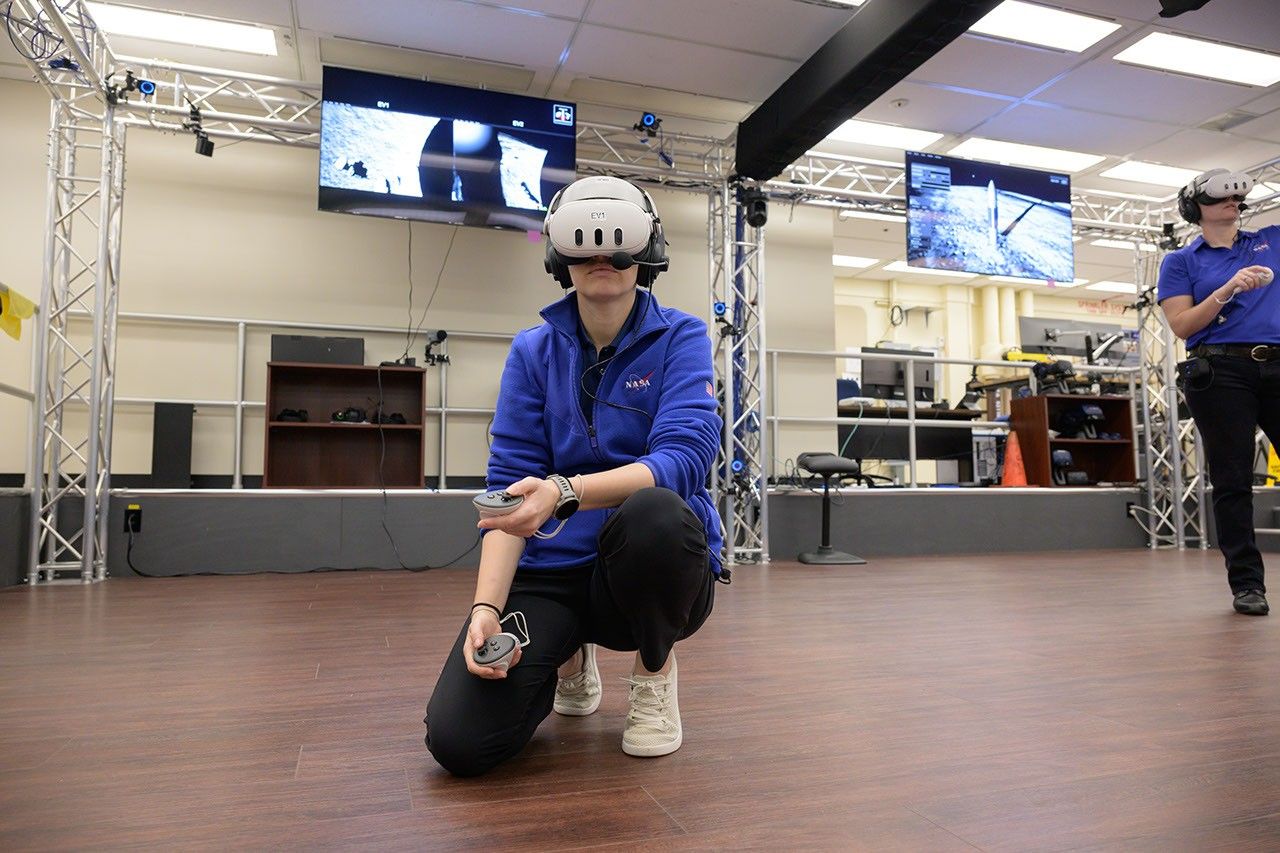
1027,22
1113,287
852,261
183,29
902,266
1150,173
884,135
1123,244
1204,59
1018,154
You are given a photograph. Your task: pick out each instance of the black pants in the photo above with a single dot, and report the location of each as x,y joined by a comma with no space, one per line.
650,586
1241,395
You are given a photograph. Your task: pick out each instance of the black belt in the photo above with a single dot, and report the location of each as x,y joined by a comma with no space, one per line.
1257,352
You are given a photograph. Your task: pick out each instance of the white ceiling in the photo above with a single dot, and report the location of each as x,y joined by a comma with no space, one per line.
704,64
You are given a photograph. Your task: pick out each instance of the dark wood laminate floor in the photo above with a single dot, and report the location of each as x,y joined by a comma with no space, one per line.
1097,700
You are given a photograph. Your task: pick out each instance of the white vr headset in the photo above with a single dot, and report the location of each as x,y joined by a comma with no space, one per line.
1220,184
599,216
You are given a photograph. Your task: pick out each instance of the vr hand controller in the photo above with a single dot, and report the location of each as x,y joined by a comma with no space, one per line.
498,650
492,504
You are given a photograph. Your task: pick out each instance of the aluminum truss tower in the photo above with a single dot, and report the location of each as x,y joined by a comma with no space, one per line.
737,296
1173,466
73,368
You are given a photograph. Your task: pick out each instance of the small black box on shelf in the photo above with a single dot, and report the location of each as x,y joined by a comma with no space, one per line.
310,349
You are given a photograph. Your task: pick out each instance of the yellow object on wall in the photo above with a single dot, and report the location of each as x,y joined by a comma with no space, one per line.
14,308
1273,466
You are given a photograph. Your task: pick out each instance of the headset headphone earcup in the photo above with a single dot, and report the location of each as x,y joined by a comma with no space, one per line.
655,251
558,269
1187,206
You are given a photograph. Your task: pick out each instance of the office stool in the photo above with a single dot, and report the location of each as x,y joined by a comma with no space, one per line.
828,465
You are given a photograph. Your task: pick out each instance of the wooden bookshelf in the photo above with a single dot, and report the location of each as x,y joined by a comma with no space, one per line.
320,453
1103,460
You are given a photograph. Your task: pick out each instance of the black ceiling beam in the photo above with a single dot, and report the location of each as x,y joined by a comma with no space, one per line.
882,43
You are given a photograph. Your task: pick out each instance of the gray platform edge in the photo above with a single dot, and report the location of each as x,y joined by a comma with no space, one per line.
242,532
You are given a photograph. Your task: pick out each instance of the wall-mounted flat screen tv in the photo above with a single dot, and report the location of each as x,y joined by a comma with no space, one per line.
391,146
988,219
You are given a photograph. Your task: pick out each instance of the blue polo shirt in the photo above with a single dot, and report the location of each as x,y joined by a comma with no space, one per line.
1198,269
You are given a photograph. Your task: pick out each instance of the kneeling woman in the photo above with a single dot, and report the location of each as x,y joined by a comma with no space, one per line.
606,426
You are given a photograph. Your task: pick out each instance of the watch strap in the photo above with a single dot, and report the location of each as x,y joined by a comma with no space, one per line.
567,503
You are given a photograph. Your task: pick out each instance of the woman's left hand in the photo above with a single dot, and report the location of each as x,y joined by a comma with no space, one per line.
540,498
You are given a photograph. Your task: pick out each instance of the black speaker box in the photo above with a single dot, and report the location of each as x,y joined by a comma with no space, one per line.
171,446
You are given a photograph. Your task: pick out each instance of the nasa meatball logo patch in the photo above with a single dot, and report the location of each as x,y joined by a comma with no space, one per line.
637,384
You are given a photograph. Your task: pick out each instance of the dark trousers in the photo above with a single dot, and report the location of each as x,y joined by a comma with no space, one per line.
1241,395
650,586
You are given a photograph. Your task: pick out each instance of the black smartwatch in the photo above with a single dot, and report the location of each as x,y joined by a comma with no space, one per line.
567,503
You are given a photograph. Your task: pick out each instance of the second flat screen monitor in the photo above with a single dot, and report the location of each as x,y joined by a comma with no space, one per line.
988,219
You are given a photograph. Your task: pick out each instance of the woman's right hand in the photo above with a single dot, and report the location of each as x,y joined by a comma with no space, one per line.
484,624
1249,278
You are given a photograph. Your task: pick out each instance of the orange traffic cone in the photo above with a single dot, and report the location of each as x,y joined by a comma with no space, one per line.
1015,473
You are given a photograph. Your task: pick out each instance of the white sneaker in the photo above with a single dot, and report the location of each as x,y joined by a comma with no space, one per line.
653,723
579,695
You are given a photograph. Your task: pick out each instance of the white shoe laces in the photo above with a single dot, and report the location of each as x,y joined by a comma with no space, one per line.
650,699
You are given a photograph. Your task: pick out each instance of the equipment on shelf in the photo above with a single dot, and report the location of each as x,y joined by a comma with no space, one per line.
350,415
293,416
1053,377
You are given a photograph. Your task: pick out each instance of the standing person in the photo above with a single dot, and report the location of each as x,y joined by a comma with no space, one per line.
1215,296
606,426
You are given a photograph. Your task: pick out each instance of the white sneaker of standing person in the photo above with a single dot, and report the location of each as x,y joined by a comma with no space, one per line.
579,694
653,723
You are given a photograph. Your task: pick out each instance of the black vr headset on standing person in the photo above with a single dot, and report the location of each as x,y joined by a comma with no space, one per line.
1212,187
604,216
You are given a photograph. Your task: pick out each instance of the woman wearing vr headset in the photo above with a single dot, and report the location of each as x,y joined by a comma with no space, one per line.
606,427
1215,296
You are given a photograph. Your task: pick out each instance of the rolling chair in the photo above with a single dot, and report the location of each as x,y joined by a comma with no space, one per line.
828,465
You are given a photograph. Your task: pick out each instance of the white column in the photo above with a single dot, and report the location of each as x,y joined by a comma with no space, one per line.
1008,318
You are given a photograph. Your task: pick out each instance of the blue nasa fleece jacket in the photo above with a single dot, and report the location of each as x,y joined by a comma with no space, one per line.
663,367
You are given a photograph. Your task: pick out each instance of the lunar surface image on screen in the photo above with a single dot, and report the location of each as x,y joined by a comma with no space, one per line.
382,151
982,229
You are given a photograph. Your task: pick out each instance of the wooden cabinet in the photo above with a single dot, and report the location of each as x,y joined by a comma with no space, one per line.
1103,460
319,453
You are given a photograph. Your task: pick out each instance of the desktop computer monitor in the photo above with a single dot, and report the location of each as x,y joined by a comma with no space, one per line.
886,379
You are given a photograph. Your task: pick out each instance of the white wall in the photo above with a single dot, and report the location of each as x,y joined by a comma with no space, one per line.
239,236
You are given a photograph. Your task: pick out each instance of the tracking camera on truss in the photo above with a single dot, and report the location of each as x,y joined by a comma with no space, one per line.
195,124
649,124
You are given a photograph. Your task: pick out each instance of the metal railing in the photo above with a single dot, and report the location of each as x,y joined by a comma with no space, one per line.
912,421
239,404
774,422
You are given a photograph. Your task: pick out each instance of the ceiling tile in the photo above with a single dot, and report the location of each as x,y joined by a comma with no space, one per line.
404,62
782,28
1264,127
665,103
992,65
1073,130
930,107
1134,10
612,55
1203,149
1147,93
445,26
1246,23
